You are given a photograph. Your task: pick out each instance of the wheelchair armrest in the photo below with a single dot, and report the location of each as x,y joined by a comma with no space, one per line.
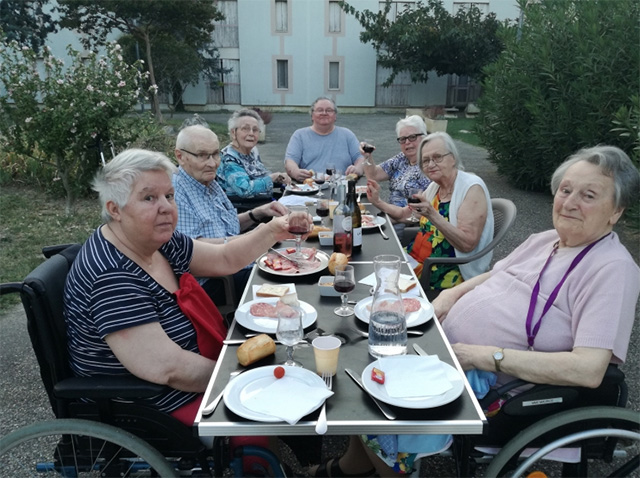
49,251
10,288
106,387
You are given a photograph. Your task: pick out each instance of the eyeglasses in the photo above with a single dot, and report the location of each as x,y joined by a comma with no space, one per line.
249,129
203,156
321,111
411,138
436,158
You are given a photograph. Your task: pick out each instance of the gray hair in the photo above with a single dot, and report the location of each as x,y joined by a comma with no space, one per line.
196,119
320,98
235,118
183,140
613,162
414,121
449,144
115,180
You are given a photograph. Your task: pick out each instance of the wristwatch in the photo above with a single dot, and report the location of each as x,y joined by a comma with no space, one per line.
498,356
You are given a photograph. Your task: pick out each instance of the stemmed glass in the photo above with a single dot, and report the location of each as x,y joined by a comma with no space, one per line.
299,225
368,146
330,173
414,200
290,331
344,282
319,179
322,210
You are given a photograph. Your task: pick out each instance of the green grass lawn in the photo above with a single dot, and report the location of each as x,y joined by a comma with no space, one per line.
463,129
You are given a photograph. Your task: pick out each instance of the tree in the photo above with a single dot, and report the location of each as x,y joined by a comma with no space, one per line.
53,113
25,22
558,86
428,38
147,21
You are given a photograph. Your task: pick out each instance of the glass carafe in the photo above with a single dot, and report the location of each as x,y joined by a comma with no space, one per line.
387,322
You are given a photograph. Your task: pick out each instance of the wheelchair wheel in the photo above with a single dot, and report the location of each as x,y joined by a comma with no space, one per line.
78,448
590,423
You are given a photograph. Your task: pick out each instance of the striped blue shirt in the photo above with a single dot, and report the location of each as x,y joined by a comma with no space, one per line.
106,292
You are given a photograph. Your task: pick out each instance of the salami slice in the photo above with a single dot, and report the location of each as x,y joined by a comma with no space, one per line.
410,305
262,309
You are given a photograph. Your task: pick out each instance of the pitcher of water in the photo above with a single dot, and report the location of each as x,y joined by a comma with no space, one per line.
387,322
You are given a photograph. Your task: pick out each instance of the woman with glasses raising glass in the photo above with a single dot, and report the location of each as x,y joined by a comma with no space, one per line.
242,173
455,213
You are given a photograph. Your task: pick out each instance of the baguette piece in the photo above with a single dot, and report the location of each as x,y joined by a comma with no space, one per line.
255,348
271,290
405,285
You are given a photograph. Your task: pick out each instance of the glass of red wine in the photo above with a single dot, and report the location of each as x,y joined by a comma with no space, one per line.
299,225
414,198
344,282
322,210
368,146
319,178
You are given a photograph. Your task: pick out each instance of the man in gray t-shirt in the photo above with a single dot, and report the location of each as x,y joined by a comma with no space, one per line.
321,144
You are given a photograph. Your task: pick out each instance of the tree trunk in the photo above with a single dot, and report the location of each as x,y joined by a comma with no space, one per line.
155,103
176,96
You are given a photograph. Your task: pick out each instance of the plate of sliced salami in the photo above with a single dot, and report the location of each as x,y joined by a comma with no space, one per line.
417,310
276,264
371,222
261,315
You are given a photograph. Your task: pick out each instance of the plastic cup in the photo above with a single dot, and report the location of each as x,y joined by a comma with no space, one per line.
326,350
332,206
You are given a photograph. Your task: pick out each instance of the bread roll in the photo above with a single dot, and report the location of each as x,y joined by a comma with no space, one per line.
336,259
255,348
316,230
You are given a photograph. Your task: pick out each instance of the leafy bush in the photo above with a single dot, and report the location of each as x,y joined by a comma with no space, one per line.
558,84
53,114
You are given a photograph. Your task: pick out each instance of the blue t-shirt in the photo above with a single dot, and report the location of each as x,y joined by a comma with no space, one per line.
106,292
310,150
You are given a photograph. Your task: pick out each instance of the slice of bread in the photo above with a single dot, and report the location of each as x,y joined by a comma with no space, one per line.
405,285
271,290
290,299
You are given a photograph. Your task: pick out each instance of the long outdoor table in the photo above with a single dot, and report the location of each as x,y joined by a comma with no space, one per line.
349,410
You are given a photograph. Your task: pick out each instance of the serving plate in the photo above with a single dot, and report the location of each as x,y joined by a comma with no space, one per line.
269,325
321,260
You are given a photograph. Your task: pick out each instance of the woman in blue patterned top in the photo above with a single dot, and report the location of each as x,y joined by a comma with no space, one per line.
241,173
131,303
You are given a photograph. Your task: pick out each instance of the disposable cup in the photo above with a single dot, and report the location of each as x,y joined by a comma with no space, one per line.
332,206
326,350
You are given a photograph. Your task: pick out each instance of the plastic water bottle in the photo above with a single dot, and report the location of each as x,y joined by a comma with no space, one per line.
387,322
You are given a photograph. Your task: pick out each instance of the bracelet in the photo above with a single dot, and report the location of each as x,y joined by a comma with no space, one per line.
253,218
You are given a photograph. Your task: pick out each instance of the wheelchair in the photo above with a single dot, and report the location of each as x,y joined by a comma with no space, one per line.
93,434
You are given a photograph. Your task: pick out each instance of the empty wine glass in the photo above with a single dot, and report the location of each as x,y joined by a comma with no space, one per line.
414,200
290,331
319,178
299,225
344,282
330,175
368,146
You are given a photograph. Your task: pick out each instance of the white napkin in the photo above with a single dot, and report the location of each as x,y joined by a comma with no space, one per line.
288,399
427,378
370,280
292,289
296,200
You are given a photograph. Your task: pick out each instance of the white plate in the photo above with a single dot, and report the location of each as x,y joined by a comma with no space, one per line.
302,189
414,319
322,257
253,381
268,325
379,221
378,390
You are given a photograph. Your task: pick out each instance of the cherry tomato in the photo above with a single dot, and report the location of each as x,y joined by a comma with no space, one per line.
278,372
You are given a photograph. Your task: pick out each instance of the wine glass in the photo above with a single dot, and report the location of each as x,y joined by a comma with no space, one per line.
368,146
344,282
290,331
319,178
330,175
322,210
414,200
299,225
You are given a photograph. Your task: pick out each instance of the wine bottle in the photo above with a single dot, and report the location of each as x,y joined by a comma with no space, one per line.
342,224
352,202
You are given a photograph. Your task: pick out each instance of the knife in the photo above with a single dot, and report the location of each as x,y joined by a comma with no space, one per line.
386,411
419,350
284,256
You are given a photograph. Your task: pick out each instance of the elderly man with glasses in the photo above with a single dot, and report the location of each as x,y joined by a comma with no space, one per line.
323,143
204,210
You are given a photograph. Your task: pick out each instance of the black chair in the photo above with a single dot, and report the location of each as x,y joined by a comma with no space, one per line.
92,400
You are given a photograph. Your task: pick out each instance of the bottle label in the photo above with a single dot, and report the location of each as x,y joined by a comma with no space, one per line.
347,223
357,236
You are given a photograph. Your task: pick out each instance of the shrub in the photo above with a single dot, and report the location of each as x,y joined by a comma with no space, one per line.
558,84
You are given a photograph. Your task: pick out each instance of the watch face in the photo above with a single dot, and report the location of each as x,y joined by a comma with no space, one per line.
498,355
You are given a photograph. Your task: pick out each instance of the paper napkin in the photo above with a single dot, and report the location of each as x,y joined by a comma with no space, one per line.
288,399
292,289
296,200
426,377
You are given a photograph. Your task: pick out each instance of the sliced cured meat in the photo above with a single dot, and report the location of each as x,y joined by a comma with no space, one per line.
262,309
284,309
410,305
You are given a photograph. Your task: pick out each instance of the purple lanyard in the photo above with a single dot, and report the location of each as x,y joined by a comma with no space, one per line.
531,334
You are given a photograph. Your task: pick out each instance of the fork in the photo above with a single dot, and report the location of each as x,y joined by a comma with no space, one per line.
321,425
364,334
384,236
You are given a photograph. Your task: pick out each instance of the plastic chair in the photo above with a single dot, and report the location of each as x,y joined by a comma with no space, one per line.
141,431
504,215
